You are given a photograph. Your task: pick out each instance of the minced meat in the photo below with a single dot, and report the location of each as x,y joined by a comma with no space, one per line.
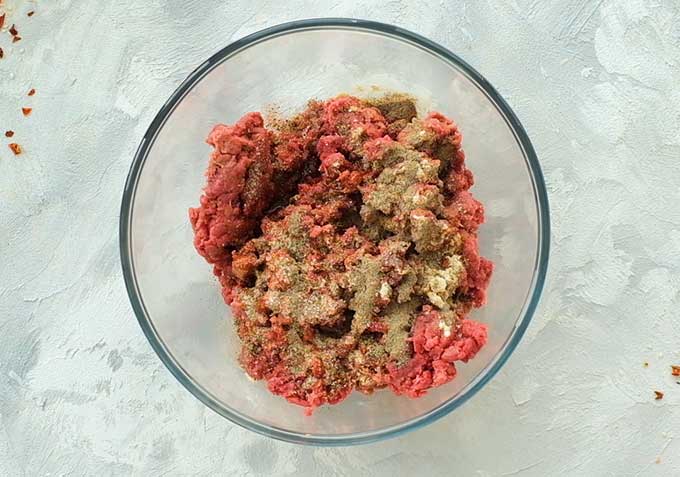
345,241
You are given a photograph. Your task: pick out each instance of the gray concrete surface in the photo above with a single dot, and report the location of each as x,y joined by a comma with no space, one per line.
594,82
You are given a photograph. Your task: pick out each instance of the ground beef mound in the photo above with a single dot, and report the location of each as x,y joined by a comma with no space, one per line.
345,241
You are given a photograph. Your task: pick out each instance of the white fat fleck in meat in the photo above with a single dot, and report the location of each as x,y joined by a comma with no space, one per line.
385,291
445,328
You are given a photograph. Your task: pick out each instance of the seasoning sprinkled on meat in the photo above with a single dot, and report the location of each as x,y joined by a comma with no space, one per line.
345,241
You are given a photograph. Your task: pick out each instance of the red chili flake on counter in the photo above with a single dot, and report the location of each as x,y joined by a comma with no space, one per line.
16,149
31,92
658,395
31,13
9,133
2,53
675,370
26,111
2,20
13,30
15,39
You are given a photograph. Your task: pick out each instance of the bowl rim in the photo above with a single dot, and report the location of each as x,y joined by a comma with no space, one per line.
540,265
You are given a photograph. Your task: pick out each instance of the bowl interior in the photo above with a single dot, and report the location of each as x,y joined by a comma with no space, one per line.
181,299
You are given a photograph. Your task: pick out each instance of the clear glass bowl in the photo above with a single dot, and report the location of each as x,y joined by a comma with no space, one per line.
172,290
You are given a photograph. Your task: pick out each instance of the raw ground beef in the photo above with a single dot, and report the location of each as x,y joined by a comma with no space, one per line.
345,241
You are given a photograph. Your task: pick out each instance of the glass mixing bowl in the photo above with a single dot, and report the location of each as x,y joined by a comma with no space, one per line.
174,295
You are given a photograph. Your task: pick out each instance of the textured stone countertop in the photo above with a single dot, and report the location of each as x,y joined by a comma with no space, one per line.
595,84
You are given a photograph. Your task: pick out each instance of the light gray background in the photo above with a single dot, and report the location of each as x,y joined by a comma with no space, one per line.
595,84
